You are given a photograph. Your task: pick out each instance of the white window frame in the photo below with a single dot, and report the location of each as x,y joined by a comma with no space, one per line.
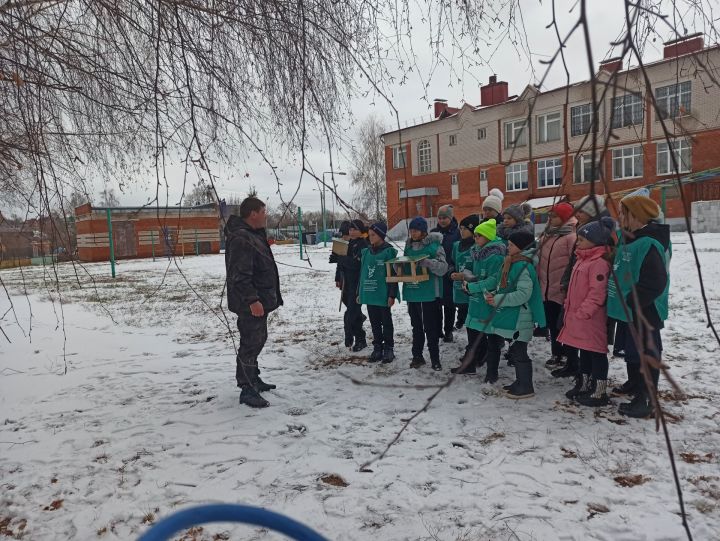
580,115
679,147
452,139
481,133
543,121
627,162
454,186
551,166
516,177
399,155
671,98
424,156
627,110
515,133
401,187
583,164
483,182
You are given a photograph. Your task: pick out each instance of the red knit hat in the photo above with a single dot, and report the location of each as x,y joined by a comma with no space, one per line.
563,211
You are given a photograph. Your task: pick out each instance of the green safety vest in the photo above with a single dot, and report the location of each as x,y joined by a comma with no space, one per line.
628,261
506,317
487,271
428,290
463,260
373,272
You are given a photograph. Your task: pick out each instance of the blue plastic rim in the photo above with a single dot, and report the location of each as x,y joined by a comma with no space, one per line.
226,512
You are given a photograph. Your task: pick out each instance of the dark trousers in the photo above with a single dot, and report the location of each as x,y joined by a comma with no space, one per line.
554,323
651,343
479,341
592,362
424,322
253,335
382,325
462,311
621,332
353,318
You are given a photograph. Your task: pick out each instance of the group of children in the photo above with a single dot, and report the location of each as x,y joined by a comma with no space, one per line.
584,283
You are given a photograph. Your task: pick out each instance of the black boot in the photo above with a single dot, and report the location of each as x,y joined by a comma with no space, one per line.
641,406
568,371
435,363
261,386
523,376
633,383
582,385
376,354
471,367
417,361
554,362
250,397
388,354
360,344
491,373
448,337
598,398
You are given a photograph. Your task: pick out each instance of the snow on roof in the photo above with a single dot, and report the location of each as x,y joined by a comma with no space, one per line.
541,202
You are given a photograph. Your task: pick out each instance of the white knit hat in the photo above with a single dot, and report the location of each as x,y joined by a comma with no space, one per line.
588,206
494,200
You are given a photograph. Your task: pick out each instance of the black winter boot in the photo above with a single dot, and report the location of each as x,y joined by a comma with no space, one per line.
448,337
641,406
250,397
388,354
580,381
417,361
360,344
568,371
261,386
554,362
491,373
376,354
633,383
435,363
523,376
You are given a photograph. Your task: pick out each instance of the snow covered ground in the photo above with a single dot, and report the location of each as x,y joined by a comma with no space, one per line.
118,405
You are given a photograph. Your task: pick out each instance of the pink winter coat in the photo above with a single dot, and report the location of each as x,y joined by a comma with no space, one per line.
584,324
555,255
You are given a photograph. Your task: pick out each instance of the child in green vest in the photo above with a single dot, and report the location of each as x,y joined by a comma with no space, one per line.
517,306
462,258
488,256
377,294
422,297
643,282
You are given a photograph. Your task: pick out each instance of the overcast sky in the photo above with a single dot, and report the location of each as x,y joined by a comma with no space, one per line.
413,104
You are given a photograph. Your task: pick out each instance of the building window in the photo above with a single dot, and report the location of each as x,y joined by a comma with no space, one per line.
582,172
515,134
627,162
682,150
549,172
516,177
627,110
581,119
452,140
483,183
674,100
424,157
454,187
401,187
399,157
548,128
482,133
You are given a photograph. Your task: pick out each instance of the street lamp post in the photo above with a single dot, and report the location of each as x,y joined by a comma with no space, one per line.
322,201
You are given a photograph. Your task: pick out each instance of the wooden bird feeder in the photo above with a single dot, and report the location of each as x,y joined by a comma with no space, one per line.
340,246
407,263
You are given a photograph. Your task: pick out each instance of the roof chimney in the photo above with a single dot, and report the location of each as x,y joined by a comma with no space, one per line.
685,45
494,92
611,65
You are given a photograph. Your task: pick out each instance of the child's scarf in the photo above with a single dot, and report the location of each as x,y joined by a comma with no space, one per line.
507,263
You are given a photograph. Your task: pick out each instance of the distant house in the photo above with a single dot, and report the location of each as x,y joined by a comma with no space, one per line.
22,241
146,231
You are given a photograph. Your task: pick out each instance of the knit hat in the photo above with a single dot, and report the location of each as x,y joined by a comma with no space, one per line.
380,228
563,210
522,239
446,211
359,225
494,200
518,212
599,231
487,229
418,224
470,222
642,207
344,228
587,205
